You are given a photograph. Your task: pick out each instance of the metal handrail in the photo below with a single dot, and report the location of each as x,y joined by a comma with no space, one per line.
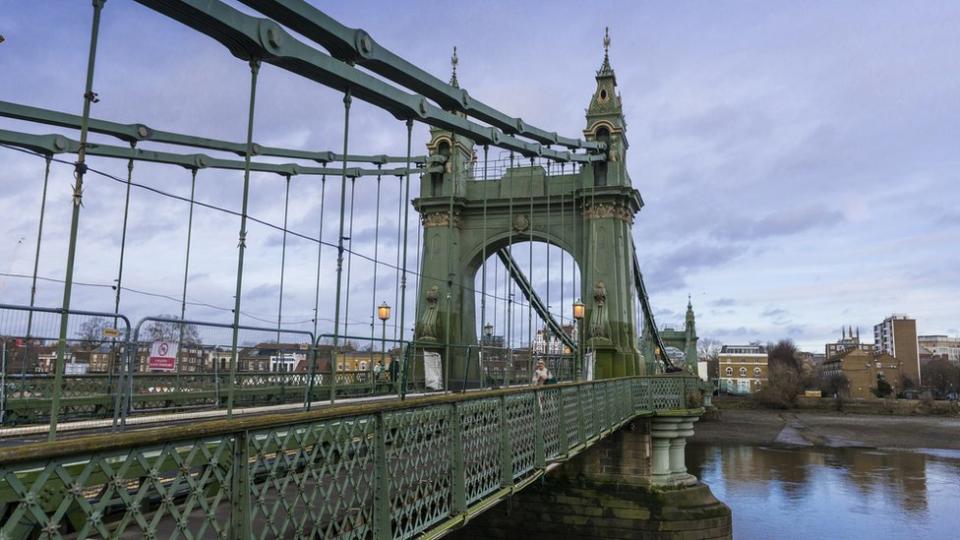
215,428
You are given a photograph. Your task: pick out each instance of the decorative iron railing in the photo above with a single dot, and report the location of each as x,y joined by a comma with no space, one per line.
378,470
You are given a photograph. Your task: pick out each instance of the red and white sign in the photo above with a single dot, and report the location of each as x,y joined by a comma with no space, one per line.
163,356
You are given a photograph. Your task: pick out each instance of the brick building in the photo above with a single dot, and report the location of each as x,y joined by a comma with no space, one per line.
863,369
743,368
897,336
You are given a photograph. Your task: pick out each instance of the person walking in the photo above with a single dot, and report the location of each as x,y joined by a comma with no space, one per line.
540,374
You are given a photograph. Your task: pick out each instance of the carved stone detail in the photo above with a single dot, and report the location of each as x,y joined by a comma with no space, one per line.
609,210
440,219
427,325
520,222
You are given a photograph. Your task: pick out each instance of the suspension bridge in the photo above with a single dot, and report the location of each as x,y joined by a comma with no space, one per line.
401,406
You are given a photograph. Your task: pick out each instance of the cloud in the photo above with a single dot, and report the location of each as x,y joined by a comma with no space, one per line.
784,222
723,302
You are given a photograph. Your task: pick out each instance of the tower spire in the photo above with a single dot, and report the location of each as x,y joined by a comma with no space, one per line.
605,68
453,63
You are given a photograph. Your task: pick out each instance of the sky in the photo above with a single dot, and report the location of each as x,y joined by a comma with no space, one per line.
799,161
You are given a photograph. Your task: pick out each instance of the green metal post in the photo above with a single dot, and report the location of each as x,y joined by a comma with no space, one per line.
539,447
506,451
347,99
564,436
458,469
581,421
234,360
241,511
89,97
381,482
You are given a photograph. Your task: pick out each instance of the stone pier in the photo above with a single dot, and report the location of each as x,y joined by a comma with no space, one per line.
633,484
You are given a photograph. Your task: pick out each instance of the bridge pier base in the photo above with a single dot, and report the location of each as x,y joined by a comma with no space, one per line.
632,484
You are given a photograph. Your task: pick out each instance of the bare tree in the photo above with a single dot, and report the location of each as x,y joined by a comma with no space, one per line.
90,333
784,374
708,349
941,376
171,331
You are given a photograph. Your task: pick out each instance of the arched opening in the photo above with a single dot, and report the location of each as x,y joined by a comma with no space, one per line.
509,322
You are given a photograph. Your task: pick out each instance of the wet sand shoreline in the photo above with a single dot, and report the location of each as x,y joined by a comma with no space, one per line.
827,429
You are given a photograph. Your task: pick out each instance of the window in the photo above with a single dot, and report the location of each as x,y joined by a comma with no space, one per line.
756,372
743,372
729,372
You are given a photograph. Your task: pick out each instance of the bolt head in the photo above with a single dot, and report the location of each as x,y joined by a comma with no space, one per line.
274,37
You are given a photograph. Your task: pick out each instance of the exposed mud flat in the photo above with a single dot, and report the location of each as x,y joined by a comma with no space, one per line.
832,430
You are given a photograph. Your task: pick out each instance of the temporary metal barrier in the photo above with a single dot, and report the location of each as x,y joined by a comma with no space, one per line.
88,383
276,365
395,469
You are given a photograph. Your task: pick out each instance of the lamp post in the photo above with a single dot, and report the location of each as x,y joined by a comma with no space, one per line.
383,313
579,310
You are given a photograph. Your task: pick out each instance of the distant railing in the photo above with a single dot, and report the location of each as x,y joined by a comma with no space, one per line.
126,385
381,470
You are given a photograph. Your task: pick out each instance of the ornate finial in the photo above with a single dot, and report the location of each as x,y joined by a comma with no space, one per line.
453,62
605,68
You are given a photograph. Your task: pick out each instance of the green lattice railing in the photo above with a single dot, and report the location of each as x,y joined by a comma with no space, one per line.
92,396
380,470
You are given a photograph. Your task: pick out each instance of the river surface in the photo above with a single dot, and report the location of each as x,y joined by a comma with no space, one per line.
844,493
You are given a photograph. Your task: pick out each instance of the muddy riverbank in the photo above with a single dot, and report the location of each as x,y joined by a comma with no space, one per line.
827,429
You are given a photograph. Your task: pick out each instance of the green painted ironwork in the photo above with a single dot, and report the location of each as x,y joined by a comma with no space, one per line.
56,144
389,470
136,132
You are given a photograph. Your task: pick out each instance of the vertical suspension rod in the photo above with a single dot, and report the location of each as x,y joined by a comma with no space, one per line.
347,99
308,398
36,267
283,259
483,277
186,263
316,295
346,307
234,359
89,97
403,269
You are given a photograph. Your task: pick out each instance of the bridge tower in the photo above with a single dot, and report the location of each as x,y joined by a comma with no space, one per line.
465,218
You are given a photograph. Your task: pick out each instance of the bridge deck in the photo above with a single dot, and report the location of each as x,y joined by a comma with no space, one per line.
394,469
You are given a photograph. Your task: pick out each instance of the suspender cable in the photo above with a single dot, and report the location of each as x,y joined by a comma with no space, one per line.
308,398
123,245
346,307
316,295
510,283
343,199
403,271
186,264
242,245
530,271
89,97
396,280
283,258
546,191
483,277
376,263
36,266
454,171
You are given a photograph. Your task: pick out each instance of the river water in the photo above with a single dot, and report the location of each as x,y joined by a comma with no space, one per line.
844,493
